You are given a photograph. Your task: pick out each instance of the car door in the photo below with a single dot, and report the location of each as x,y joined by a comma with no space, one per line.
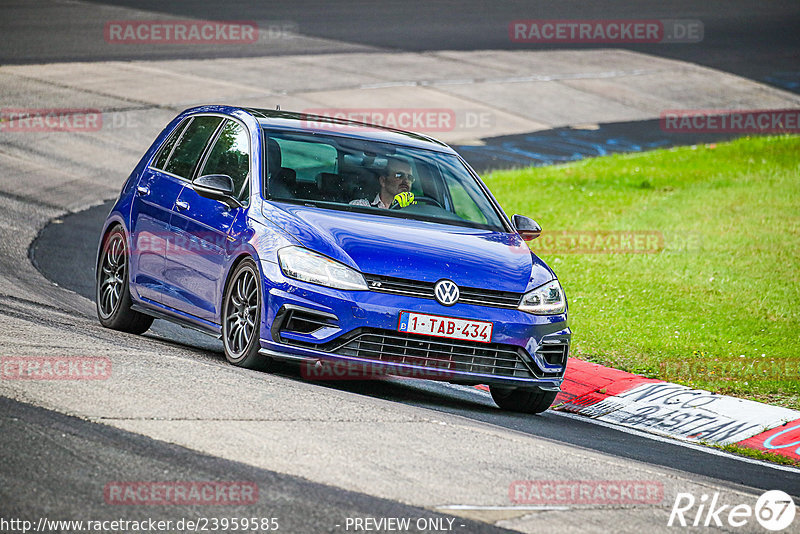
205,229
151,210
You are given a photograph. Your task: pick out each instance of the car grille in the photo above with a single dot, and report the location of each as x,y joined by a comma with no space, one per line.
445,355
469,295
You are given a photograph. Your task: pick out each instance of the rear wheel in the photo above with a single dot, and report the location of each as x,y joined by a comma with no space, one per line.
241,318
523,400
112,293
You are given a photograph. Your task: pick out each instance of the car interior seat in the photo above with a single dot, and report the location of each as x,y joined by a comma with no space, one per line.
332,187
282,181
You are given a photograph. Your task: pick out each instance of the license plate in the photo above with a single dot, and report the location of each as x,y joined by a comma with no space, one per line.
449,327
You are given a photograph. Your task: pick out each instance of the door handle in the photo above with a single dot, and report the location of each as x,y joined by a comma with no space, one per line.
143,190
182,205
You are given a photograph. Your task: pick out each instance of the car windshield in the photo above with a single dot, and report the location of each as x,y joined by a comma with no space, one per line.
343,173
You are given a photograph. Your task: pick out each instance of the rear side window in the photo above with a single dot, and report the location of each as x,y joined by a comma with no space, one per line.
166,148
190,147
307,159
231,156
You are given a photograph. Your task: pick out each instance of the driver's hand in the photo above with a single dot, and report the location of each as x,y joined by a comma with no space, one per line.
401,200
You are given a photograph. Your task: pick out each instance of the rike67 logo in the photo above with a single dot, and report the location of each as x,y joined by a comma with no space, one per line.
774,511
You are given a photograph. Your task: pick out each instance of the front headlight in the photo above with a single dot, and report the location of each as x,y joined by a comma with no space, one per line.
303,264
547,299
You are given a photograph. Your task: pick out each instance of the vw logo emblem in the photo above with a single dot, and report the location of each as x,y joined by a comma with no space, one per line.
446,292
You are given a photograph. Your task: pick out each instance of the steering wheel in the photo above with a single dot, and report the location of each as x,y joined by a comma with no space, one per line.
426,200
429,200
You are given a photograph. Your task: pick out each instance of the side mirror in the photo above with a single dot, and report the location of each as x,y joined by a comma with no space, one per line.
216,187
526,227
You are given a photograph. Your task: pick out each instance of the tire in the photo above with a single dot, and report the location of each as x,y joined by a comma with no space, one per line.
523,400
112,293
241,318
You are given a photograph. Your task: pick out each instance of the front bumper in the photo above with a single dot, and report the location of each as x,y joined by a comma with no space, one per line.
318,325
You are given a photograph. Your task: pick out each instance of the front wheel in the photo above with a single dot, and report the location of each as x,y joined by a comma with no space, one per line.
241,318
112,292
523,400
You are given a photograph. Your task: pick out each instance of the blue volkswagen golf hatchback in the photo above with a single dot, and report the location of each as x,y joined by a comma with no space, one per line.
333,243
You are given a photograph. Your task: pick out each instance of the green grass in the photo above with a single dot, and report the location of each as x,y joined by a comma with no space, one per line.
756,454
726,285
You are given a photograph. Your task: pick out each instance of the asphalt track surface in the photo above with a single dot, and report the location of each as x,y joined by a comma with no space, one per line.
51,462
64,252
60,464
751,38
561,145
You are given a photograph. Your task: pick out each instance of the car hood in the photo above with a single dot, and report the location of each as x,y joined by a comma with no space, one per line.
412,249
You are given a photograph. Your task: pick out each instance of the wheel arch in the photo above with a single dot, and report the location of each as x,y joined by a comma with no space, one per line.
113,222
242,256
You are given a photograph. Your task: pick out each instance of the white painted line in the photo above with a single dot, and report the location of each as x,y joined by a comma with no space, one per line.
654,437
512,79
465,81
679,443
382,85
520,508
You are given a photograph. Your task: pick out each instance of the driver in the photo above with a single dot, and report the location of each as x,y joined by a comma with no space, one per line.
396,179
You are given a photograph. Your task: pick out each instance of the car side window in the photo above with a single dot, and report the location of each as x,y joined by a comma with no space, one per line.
308,159
166,149
464,201
231,156
190,146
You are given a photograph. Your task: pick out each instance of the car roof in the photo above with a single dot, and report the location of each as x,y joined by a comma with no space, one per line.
271,119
